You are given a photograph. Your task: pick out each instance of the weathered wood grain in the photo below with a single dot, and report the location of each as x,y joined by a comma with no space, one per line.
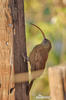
57,82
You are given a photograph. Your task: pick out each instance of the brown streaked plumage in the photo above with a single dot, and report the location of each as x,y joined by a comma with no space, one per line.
39,55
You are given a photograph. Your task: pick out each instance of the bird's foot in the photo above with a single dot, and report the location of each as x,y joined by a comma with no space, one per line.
26,58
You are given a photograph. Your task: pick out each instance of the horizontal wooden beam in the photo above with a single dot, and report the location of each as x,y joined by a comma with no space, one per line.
24,77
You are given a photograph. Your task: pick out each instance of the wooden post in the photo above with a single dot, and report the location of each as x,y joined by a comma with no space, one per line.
6,32
17,7
57,82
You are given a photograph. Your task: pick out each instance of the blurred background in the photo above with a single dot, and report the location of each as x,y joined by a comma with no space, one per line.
50,16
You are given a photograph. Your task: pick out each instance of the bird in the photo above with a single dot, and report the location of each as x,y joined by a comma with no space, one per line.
39,55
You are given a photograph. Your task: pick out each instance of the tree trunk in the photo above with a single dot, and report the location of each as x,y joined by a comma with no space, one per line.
17,7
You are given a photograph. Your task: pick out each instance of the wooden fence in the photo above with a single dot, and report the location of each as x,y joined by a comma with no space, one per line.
57,83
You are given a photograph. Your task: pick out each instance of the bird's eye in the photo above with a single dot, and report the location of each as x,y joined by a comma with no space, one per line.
45,40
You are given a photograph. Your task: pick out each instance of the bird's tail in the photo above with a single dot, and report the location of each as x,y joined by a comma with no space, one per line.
28,88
